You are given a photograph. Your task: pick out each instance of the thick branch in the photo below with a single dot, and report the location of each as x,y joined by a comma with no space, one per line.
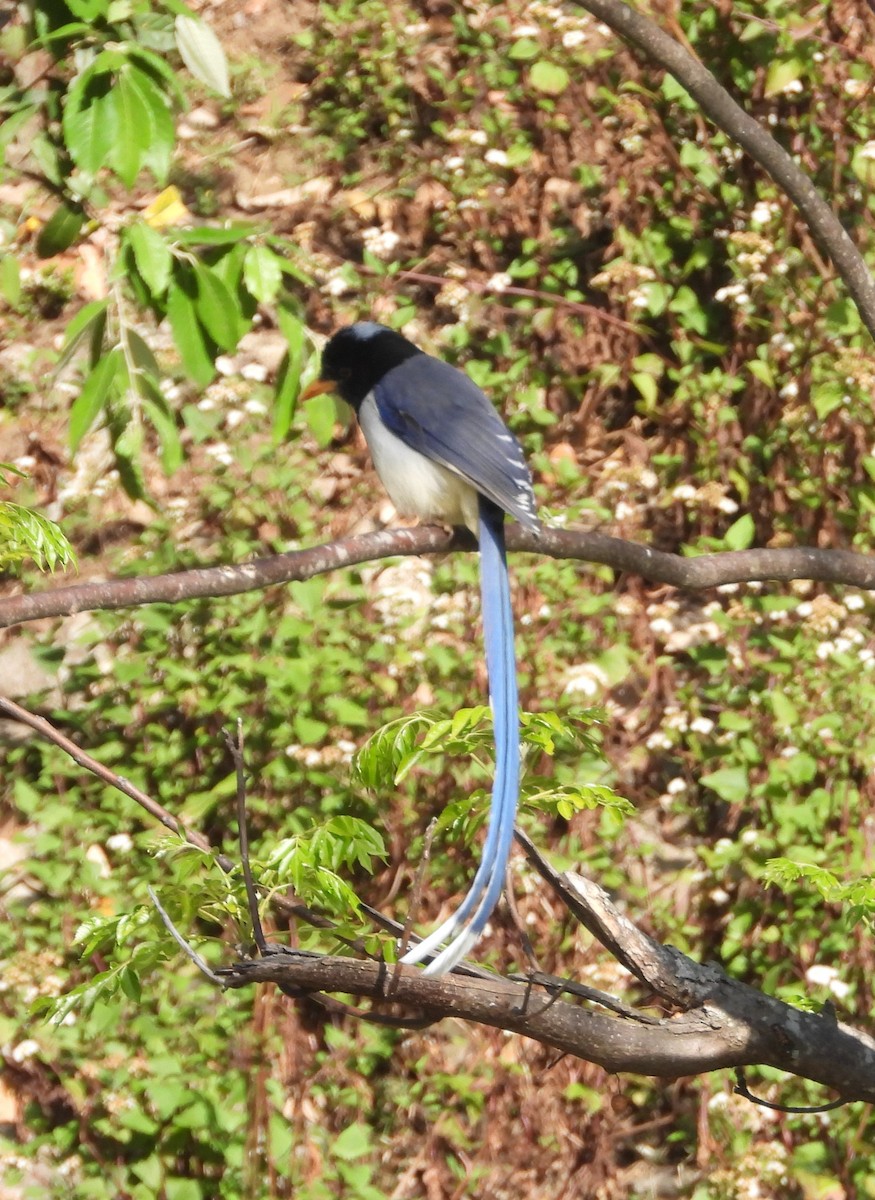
658,566
717,104
735,1026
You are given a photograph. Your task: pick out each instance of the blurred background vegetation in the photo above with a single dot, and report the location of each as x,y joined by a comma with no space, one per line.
522,196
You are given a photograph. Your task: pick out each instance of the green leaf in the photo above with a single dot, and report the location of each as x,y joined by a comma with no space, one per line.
523,50
784,710
128,448
262,274
646,385
354,1142
129,981
763,371
202,53
12,122
156,65
132,118
10,280
741,533
826,397
387,750
320,415
88,10
153,257
89,123
211,235
149,1171
781,74
218,311
183,1188
730,784
289,381
188,335
27,534
549,78
89,322
92,397
801,768
60,231
164,422
146,372
47,154
161,137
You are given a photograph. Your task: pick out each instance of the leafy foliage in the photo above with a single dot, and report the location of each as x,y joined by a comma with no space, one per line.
27,535
116,114
412,742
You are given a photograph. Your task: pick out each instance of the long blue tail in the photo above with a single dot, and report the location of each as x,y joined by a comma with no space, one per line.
466,924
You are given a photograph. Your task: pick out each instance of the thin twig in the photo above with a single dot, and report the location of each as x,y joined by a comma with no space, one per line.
741,1089
236,748
187,949
471,284
289,908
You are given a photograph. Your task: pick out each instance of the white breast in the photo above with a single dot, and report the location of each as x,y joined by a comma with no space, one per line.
417,486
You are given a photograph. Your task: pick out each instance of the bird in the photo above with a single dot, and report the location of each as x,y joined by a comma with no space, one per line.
444,455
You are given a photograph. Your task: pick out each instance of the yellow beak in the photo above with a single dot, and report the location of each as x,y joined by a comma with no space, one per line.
319,387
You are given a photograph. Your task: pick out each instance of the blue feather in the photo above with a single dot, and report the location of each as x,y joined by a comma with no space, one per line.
436,409
465,926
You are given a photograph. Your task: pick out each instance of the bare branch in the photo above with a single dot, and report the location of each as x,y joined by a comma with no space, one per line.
717,104
659,566
735,1026
661,968
188,950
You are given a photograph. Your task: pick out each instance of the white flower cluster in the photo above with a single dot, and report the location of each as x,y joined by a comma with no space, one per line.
782,342
763,212
336,282
401,591
735,293
709,495
475,137
587,680
828,977
456,296
381,241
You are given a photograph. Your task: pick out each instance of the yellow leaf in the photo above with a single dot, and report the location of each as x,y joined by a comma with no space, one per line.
166,209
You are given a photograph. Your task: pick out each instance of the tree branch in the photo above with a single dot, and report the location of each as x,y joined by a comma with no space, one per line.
658,566
716,103
723,1023
732,1025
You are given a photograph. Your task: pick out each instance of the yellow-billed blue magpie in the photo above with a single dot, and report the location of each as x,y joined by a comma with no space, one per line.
444,454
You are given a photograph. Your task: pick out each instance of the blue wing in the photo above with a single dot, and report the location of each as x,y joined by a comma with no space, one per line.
440,412
464,927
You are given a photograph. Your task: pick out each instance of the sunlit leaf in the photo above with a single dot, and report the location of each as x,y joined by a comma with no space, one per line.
549,78
202,53
166,209
152,255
